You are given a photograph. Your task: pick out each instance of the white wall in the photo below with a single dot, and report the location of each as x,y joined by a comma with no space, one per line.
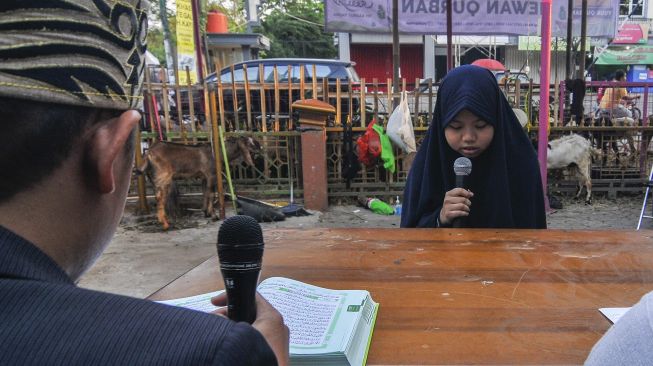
515,59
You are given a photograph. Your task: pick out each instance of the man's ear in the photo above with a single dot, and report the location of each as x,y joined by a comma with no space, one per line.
106,146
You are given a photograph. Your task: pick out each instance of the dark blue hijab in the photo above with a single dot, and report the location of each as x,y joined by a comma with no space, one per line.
505,179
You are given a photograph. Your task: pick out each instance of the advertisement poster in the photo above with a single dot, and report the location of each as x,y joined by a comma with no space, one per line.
185,42
473,17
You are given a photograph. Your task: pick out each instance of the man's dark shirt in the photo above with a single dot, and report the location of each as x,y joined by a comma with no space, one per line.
46,320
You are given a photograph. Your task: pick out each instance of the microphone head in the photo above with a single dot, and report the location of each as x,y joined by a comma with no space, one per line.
240,230
462,166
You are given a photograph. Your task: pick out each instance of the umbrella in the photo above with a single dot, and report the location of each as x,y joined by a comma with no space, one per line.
489,63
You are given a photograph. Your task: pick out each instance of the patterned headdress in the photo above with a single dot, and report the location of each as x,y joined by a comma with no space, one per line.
81,52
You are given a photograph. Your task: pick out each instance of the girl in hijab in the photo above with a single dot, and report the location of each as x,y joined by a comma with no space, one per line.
473,119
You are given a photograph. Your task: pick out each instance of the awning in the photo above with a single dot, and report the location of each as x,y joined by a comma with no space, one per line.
636,55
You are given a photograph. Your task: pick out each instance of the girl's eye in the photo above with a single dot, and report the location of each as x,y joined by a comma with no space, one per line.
455,126
481,126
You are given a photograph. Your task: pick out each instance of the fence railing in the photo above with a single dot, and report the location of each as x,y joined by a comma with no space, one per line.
263,110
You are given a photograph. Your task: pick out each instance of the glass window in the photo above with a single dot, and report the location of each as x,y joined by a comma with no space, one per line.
239,76
332,72
631,7
252,73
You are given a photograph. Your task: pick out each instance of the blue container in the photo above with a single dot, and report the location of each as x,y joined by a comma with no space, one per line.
639,73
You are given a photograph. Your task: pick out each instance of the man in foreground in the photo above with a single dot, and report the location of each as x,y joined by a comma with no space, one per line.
70,75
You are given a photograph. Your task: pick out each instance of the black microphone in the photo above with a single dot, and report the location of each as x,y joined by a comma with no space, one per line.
462,167
240,249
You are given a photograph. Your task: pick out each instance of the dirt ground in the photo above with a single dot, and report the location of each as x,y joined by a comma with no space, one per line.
142,258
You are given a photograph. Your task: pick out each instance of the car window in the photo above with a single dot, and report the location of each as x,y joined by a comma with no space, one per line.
239,75
331,72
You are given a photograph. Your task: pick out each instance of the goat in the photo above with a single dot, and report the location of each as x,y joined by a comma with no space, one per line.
170,161
574,152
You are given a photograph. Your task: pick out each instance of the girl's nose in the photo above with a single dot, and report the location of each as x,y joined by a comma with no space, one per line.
469,135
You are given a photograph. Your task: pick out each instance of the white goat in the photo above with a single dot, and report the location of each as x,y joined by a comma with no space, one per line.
574,152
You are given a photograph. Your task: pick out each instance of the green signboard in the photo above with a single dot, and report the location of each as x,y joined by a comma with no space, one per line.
636,55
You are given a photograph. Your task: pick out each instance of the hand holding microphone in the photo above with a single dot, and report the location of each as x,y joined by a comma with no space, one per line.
457,203
240,250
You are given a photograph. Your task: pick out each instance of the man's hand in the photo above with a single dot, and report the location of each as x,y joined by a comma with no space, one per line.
269,323
456,204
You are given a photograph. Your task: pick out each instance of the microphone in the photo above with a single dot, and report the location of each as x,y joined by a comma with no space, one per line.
462,167
240,250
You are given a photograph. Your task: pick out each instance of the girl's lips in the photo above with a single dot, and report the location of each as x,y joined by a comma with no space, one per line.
470,150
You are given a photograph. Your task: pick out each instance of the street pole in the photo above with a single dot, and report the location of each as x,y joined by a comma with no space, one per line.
171,55
198,39
395,50
545,77
583,37
449,35
570,13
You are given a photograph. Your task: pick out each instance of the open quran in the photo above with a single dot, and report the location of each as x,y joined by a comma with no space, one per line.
327,327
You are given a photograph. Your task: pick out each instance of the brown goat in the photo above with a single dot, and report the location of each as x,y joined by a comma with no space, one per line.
170,161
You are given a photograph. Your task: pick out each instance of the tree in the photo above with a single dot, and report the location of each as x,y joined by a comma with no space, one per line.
156,39
296,29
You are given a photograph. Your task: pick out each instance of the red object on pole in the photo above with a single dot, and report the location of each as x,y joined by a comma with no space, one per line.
198,40
545,78
489,63
449,35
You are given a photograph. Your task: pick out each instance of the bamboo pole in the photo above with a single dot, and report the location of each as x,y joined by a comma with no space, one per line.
164,100
180,115
143,208
264,122
430,101
290,99
277,97
375,83
248,98
338,103
234,98
191,104
148,100
362,102
217,141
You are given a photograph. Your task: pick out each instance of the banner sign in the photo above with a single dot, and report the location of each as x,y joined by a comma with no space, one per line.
639,55
185,42
632,34
474,17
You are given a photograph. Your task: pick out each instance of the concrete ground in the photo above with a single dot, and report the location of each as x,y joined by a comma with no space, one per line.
142,258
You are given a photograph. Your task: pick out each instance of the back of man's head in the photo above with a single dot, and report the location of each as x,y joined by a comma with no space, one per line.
619,75
64,65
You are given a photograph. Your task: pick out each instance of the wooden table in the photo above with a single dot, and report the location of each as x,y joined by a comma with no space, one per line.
464,296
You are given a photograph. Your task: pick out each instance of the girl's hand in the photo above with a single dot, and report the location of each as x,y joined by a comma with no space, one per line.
456,204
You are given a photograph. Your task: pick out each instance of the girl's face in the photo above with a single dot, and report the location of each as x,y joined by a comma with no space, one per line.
468,135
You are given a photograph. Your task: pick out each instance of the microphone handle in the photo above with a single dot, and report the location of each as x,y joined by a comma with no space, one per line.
460,222
460,181
241,294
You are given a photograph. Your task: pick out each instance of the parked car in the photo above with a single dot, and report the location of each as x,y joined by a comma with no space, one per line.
332,70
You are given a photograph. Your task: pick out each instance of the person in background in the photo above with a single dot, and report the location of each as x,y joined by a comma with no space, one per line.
629,341
613,99
70,81
472,118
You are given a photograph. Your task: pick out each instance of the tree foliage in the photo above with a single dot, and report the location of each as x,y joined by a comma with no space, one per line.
295,29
